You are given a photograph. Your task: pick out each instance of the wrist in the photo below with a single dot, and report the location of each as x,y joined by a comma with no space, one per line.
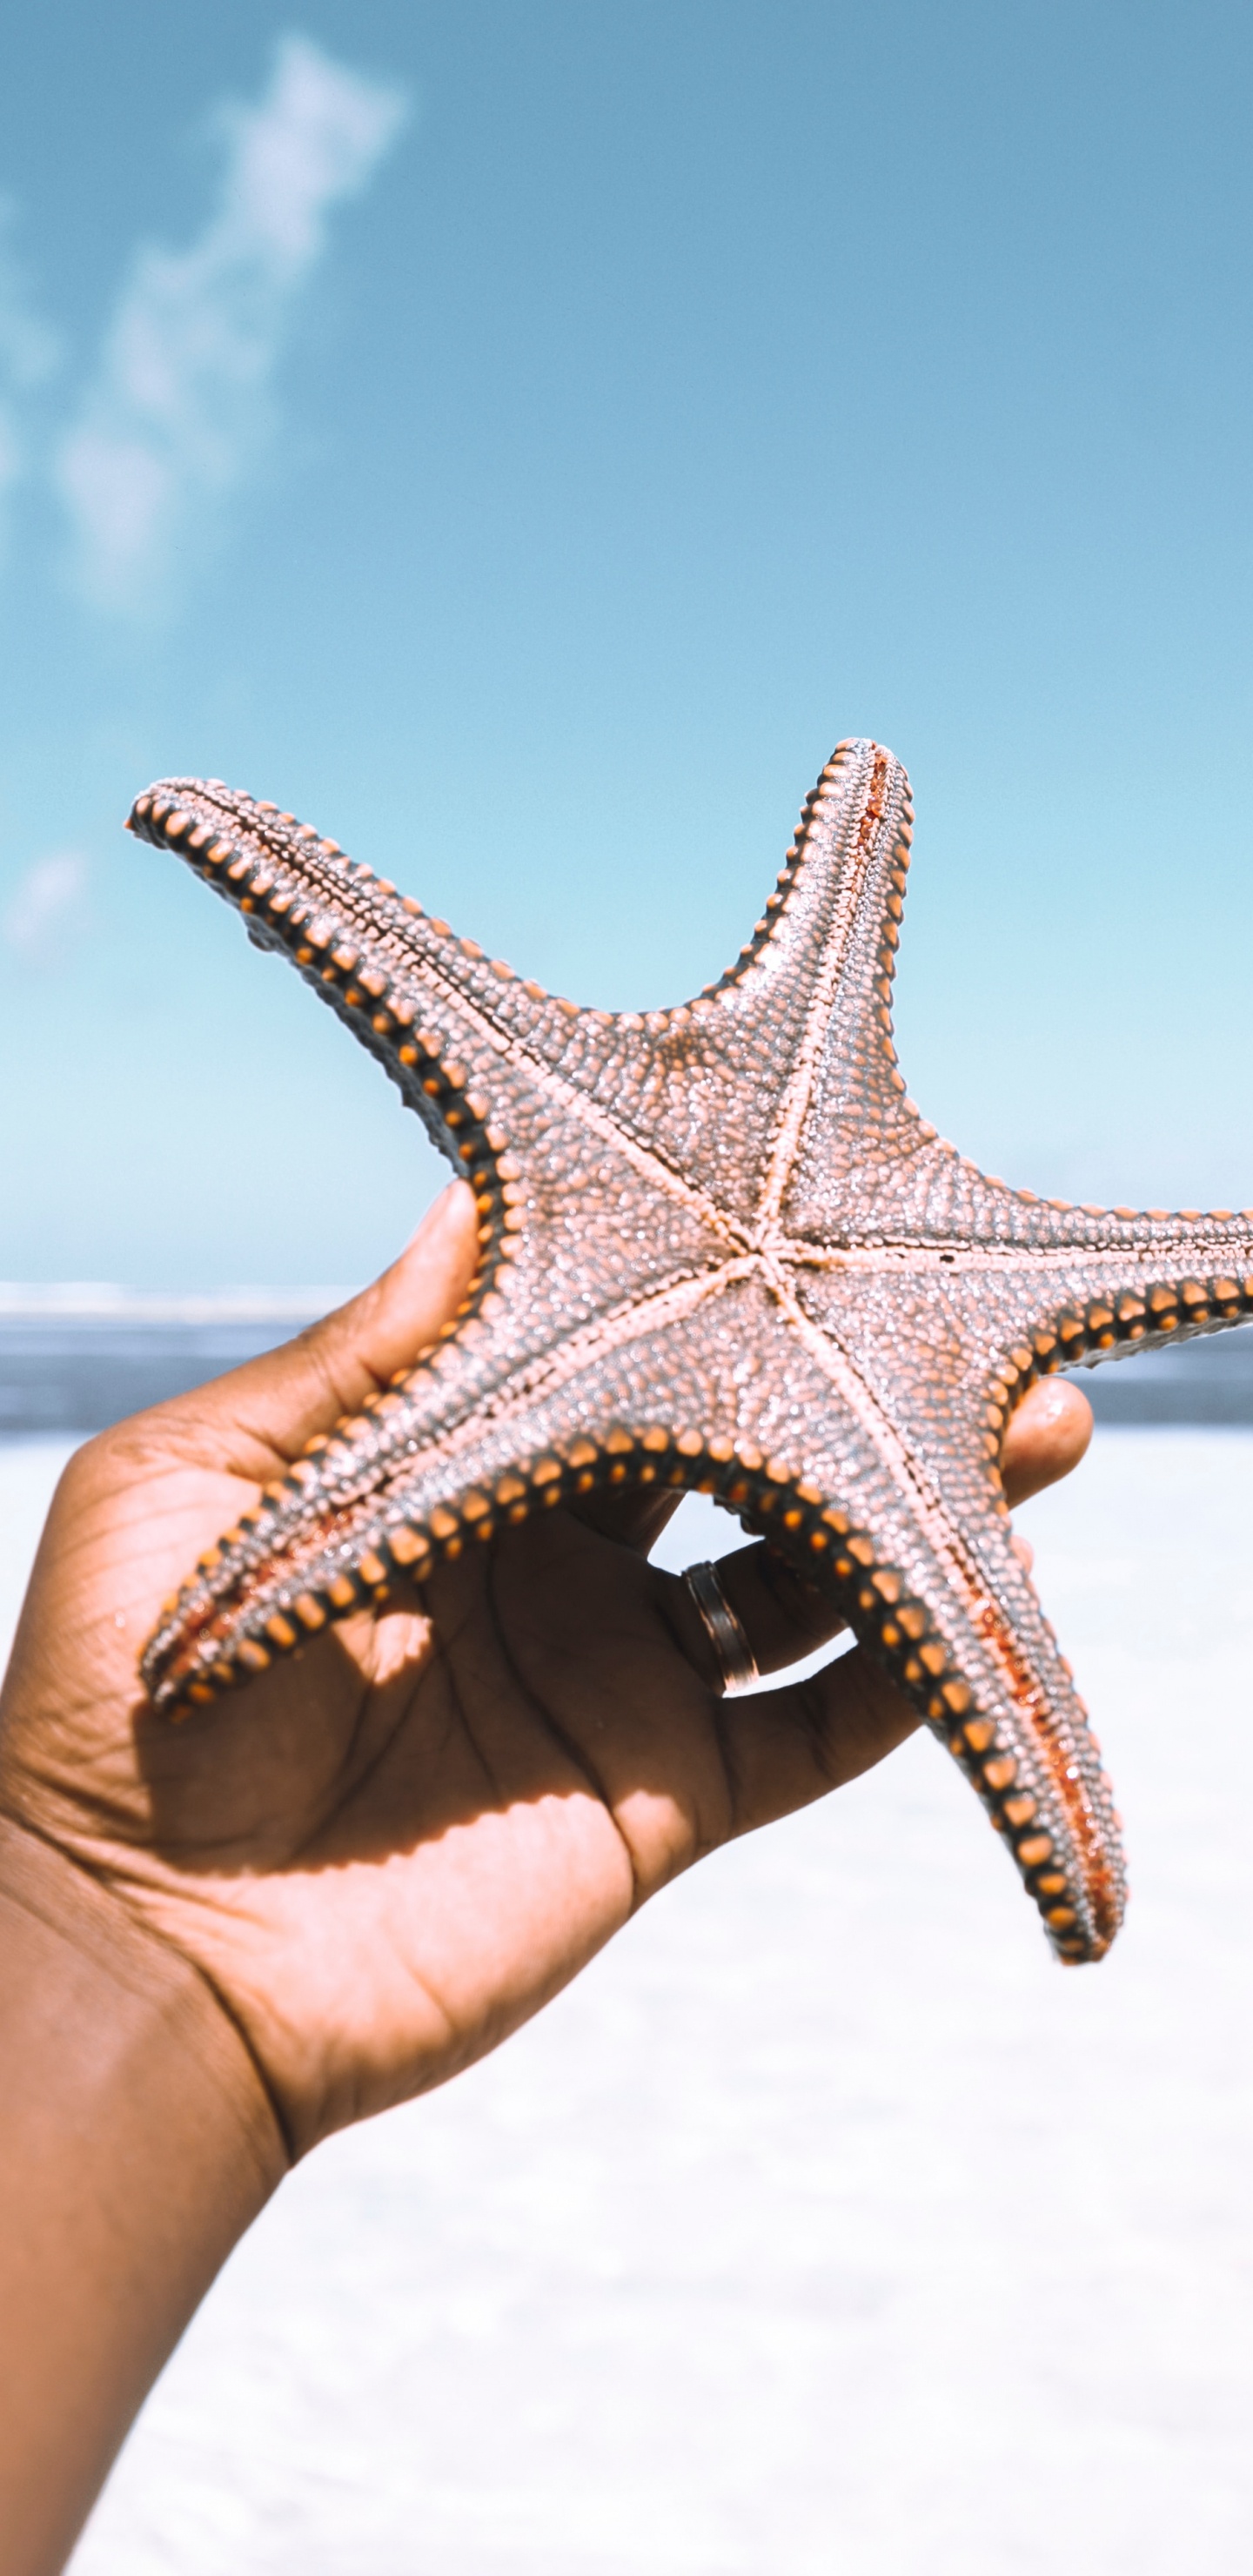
137,2144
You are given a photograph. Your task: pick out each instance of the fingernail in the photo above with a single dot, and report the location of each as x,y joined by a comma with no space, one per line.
437,1214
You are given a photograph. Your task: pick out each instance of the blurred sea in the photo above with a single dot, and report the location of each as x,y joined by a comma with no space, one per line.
825,2224
77,1358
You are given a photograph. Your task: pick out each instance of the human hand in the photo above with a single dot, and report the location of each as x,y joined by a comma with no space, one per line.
386,1854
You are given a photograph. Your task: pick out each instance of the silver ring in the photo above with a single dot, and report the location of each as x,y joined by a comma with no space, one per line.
735,1658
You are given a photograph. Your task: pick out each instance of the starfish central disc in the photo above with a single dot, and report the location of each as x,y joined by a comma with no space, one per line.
719,1249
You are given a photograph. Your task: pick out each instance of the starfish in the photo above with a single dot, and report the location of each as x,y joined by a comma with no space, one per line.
720,1249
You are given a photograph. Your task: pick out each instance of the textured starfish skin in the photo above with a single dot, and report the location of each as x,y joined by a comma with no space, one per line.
719,1249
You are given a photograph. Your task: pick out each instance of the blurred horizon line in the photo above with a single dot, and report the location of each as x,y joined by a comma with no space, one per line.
106,1301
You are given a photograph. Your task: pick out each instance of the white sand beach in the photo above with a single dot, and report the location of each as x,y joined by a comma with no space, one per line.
826,2224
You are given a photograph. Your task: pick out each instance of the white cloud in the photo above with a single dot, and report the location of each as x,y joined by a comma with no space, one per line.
181,403
28,355
46,909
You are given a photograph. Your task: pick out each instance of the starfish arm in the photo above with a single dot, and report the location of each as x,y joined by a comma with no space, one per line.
464,1038
941,1592
856,1164
551,1171
359,941
1103,1286
722,1085
916,1189
434,1461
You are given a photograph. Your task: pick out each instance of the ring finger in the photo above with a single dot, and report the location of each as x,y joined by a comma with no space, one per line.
748,1615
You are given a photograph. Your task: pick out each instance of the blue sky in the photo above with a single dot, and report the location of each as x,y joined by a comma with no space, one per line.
522,439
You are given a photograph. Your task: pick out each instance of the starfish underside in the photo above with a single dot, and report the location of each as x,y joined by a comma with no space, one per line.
721,1250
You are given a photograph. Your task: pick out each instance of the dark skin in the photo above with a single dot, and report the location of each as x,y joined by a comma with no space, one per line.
385,1855
335,1888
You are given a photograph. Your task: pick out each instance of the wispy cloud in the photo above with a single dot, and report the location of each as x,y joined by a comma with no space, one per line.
28,356
182,401
46,910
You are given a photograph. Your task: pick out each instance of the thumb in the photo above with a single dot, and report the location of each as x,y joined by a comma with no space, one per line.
260,1417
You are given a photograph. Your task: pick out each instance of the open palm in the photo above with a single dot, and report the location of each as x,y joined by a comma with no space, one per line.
387,1853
